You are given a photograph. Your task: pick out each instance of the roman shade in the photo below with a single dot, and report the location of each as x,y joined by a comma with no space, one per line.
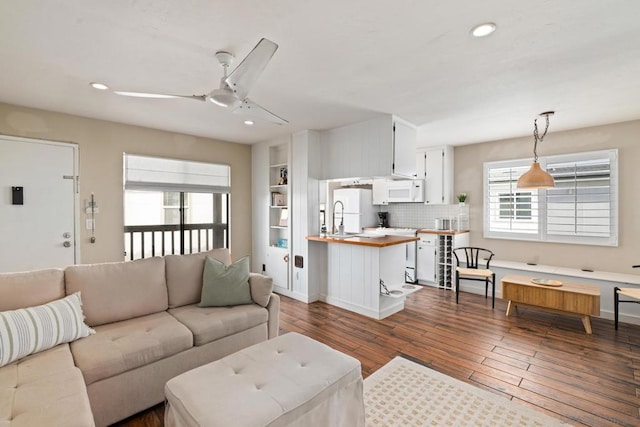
161,174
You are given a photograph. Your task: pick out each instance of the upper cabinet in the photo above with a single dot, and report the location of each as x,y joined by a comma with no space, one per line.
405,138
435,166
381,147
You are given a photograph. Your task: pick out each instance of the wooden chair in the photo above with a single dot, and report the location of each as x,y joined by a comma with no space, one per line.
626,292
468,260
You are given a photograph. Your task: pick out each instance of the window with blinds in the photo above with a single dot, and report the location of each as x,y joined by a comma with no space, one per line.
511,212
581,208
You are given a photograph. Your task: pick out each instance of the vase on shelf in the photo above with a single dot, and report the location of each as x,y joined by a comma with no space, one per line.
461,204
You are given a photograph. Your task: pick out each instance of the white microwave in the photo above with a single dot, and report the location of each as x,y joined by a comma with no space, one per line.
405,191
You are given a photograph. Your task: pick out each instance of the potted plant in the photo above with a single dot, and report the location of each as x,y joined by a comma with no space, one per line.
462,197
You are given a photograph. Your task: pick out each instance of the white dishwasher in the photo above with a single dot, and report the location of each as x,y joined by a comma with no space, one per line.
426,265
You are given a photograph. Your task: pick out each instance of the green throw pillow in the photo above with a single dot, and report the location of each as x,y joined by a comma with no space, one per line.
224,285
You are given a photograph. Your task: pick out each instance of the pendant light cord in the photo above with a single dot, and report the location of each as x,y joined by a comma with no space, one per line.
536,137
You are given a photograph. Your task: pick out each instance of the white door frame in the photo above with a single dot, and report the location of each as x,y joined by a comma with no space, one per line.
76,180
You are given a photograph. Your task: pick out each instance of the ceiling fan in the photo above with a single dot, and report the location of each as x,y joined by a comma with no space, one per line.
235,87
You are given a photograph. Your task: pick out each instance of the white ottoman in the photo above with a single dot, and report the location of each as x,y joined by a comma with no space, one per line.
290,380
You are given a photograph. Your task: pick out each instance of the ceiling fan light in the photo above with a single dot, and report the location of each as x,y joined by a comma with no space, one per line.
224,98
535,177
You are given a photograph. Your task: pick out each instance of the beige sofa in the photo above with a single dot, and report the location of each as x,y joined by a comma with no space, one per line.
148,330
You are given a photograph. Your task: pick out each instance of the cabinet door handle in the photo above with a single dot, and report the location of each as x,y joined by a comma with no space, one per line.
285,258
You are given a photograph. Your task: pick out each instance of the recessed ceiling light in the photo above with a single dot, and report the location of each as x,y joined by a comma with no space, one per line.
248,122
483,30
99,86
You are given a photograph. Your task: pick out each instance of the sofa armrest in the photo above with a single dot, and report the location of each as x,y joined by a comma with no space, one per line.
261,288
273,308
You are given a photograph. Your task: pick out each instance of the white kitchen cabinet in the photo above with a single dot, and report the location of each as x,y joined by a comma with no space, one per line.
426,267
379,193
381,147
435,166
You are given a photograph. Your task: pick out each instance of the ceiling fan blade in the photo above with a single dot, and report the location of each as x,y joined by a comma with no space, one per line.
250,108
245,75
159,95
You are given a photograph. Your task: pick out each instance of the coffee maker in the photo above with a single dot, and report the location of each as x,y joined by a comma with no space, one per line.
383,219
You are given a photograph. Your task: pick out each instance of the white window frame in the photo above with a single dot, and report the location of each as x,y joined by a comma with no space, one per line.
540,197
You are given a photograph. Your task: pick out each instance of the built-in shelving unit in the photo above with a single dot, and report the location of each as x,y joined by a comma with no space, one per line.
279,201
445,268
279,216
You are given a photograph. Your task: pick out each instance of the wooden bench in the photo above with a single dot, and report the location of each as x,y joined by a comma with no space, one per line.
573,299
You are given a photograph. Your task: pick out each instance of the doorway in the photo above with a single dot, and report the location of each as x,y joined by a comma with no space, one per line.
38,204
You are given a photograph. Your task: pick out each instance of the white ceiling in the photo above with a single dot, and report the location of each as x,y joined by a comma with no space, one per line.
339,62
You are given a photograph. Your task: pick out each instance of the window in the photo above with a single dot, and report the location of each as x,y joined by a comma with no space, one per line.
171,206
174,206
581,208
515,206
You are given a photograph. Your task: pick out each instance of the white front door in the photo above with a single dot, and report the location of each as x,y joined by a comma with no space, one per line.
40,232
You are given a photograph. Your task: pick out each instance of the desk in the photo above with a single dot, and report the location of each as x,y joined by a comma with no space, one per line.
573,299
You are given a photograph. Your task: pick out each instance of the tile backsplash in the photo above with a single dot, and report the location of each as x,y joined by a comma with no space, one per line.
418,215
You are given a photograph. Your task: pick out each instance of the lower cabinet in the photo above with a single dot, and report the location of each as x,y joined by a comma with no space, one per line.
436,263
278,266
426,267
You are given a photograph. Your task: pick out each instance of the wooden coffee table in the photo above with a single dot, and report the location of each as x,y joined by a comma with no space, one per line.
573,299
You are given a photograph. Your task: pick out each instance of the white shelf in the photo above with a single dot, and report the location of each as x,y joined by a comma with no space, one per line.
279,207
279,227
279,165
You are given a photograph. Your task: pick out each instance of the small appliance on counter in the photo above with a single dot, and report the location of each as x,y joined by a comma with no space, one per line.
446,223
383,219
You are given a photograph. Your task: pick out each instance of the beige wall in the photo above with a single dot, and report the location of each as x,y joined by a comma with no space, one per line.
623,136
101,145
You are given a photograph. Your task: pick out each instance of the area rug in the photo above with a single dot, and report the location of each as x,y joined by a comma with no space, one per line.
405,393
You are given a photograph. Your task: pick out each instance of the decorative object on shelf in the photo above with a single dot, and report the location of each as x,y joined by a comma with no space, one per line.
536,177
278,199
283,176
547,282
462,197
283,243
284,218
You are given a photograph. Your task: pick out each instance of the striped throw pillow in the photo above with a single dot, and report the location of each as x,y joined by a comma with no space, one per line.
31,330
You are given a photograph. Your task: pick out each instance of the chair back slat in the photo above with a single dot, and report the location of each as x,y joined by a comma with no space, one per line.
472,256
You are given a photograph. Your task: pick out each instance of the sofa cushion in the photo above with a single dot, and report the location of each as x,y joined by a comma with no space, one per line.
44,389
184,275
20,290
261,288
211,323
31,330
119,291
122,346
225,285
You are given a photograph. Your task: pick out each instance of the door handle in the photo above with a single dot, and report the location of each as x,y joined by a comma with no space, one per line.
285,258
66,244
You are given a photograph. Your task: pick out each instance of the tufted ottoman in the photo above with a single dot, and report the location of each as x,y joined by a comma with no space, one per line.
290,380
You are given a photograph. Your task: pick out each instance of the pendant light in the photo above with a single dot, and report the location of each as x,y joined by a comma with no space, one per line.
536,177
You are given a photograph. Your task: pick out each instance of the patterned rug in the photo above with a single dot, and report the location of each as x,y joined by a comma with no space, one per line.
404,393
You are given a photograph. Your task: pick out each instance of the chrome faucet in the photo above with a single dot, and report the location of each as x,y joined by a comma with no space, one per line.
340,228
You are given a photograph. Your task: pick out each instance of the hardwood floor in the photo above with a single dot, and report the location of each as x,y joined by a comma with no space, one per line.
541,360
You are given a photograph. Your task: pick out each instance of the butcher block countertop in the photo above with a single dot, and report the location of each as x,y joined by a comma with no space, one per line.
369,240
446,232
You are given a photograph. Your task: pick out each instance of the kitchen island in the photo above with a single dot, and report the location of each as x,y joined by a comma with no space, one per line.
365,273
